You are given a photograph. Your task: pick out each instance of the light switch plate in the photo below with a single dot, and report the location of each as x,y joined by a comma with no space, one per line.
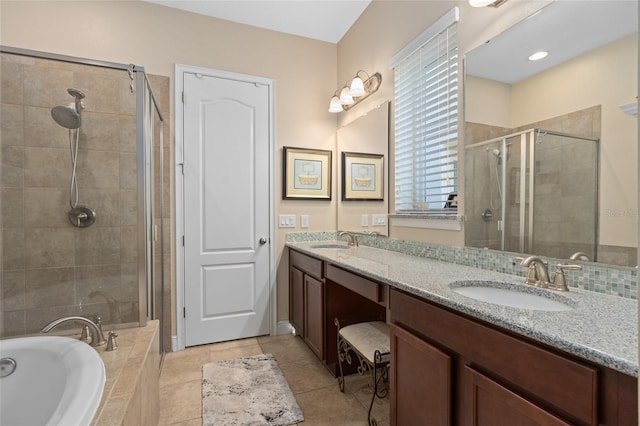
304,221
379,219
287,221
364,221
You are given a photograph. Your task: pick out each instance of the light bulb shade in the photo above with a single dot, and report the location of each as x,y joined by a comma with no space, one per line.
345,96
357,87
335,105
481,3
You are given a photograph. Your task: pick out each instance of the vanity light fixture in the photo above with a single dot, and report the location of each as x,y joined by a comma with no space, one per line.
538,55
354,91
483,3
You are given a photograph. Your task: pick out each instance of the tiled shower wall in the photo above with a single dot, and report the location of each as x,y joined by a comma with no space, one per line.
50,268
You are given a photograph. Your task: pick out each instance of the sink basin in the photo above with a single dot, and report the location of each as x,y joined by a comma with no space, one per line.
330,246
504,295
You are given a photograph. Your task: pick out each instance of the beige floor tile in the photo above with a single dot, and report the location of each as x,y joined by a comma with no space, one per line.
234,352
330,407
180,402
307,375
287,348
183,366
233,344
315,389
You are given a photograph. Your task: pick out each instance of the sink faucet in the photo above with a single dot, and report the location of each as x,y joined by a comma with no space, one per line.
579,255
541,276
353,239
97,338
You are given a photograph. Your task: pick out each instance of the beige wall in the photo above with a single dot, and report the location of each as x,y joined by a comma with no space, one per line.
157,38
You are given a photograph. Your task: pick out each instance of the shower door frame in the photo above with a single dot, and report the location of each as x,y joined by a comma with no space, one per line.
145,233
527,163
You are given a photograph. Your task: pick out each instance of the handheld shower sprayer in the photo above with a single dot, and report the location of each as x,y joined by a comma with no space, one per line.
70,116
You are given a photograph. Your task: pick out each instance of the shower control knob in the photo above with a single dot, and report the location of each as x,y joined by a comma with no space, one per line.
81,216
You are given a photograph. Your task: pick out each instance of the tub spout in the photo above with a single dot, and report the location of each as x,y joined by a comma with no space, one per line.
97,338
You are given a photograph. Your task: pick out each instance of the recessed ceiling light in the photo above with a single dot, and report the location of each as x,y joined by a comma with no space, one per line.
538,55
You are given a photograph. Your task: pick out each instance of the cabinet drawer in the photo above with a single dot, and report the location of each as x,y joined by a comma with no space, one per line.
308,264
530,370
363,286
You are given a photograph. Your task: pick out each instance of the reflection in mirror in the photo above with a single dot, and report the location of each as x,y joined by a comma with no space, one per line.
368,134
575,96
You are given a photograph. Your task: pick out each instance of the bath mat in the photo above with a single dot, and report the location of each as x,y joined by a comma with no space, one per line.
247,391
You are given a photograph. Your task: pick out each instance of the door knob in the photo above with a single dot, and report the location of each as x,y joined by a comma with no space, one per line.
263,241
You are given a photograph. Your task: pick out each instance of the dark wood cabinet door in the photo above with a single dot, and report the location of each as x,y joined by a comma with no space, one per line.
420,381
314,315
296,299
491,404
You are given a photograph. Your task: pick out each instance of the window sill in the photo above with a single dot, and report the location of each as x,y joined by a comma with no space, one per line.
443,221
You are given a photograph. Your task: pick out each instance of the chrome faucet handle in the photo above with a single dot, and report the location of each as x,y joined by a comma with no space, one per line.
112,345
559,281
532,275
98,322
85,336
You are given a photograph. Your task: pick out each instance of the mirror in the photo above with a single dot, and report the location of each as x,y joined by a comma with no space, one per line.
364,140
585,87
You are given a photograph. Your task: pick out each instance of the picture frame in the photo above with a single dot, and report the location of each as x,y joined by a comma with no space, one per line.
306,174
362,177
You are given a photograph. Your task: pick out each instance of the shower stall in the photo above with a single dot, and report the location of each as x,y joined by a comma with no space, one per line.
84,193
534,191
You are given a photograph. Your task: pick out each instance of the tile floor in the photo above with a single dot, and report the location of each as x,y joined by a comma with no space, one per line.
315,389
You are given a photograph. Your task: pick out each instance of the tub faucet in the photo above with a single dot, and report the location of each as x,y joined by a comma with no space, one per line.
97,338
541,273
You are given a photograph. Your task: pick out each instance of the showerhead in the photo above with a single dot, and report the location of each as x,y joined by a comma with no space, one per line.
69,116
66,116
496,152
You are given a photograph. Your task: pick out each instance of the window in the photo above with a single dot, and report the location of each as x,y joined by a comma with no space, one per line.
426,119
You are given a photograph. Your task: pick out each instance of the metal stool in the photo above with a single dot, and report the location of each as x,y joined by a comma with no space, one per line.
369,341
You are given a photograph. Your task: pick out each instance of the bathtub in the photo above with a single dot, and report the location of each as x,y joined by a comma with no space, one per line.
56,381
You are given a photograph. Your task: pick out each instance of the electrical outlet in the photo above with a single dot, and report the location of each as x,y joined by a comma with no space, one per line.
364,221
379,219
287,221
304,221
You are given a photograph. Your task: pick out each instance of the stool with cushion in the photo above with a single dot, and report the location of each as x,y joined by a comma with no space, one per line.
369,342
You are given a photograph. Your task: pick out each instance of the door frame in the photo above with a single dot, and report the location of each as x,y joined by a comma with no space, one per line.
178,343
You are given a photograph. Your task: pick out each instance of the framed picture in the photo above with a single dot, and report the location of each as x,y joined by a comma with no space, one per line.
362,177
307,174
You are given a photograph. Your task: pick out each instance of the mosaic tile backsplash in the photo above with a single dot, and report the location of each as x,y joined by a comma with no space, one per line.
616,281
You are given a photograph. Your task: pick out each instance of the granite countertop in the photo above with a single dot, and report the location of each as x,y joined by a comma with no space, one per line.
599,328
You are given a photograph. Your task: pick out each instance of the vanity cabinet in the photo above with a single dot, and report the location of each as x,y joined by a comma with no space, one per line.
320,292
479,374
306,299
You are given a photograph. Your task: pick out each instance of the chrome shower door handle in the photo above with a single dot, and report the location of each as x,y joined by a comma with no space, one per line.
262,241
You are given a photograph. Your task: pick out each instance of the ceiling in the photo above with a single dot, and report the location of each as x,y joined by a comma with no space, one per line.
325,20
566,29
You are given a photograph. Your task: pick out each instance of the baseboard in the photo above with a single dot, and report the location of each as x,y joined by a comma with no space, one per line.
174,343
284,327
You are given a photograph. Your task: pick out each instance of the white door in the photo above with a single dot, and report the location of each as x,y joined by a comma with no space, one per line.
226,209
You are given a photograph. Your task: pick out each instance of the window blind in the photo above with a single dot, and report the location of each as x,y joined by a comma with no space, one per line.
426,124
